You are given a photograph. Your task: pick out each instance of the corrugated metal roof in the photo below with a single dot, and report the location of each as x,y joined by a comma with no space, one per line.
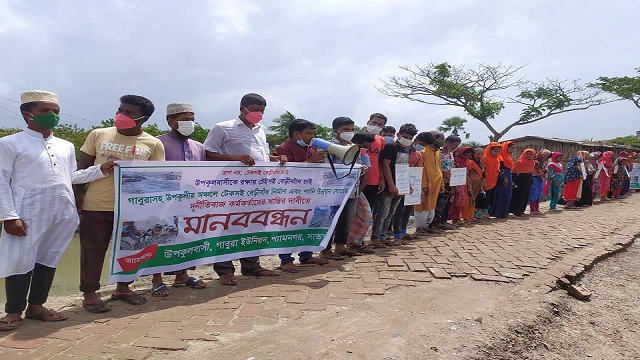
584,143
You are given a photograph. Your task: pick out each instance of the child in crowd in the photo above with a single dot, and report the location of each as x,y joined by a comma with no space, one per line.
475,179
504,188
572,182
603,174
522,176
555,179
432,183
491,165
460,195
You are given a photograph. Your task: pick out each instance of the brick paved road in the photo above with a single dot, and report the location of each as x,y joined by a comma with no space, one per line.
502,251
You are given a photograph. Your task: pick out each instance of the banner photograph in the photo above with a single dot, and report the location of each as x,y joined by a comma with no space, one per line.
170,215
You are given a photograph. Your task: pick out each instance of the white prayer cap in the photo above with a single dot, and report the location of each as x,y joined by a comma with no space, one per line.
177,108
38,95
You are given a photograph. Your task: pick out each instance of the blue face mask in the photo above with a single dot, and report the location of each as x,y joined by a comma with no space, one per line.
301,143
388,139
418,147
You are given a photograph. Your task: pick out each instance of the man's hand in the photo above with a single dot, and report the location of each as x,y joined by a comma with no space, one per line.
107,168
505,181
363,170
282,159
446,175
381,186
15,227
245,159
442,190
317,157
393,190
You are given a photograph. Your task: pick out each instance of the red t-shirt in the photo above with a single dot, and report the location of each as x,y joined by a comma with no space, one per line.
374,155
294,152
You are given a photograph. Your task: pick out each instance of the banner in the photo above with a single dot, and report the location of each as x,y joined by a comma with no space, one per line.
634,174
415,179
170,215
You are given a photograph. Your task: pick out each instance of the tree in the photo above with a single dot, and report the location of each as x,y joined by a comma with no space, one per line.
626,141
627,88
473,144
455,125
477,92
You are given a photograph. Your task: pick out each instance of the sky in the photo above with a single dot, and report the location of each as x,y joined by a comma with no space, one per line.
317,59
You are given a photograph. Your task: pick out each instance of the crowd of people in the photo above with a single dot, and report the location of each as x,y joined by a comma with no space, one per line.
42,190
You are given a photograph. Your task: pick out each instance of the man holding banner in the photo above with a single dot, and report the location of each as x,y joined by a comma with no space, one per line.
242,139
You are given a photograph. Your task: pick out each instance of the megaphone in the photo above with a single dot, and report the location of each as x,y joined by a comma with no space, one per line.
347,153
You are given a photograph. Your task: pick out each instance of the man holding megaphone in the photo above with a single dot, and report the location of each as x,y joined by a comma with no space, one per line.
298,149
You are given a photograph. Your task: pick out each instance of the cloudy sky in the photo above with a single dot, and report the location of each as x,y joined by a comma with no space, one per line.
318,59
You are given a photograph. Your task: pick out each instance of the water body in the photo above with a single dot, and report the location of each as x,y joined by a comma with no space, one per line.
67,277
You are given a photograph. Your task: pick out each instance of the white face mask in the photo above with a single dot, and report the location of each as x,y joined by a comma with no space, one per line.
404,142
186,127
347,135
373,130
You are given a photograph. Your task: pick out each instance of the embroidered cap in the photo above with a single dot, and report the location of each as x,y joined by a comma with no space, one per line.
38,95
177,108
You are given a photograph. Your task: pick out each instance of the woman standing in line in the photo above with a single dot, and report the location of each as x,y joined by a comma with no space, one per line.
522,180
555,179
572,182
539,176
504,190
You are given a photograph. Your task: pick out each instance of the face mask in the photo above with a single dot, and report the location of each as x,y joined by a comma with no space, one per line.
404,142
46,121
301,143
440,144
374,130
418,147
253,117
122,121
347,135
186,127
388,139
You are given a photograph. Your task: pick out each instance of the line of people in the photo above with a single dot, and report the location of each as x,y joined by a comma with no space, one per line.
43,190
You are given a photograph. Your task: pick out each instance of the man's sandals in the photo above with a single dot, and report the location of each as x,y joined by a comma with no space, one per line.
160,290
192,283
49,316
130,298
95,306
7,325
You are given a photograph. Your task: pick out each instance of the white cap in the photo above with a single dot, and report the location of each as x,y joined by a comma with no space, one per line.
178,108
38,95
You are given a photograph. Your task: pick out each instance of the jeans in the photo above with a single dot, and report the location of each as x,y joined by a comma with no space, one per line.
401,218
387,205
288,258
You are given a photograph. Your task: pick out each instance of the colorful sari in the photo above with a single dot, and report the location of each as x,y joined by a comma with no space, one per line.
604,172
555,178
539,176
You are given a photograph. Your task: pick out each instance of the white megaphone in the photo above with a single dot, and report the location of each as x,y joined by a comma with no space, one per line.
347,153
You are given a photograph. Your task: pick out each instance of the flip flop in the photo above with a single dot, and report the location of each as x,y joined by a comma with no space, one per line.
95,306
290,269
261,272
192,283
51,316
6,325
228,279
157,290
130,298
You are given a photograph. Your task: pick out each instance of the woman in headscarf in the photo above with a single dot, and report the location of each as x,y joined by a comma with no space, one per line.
626,179
586,198
475,175
460,196
522,180
572,182
618,177
603,174
504,190
539,176
595,183
555,177
491,163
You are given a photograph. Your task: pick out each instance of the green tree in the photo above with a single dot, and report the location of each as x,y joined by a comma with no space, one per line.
627,88
455,125
280,130
9,131
473,144
478,92
626,141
